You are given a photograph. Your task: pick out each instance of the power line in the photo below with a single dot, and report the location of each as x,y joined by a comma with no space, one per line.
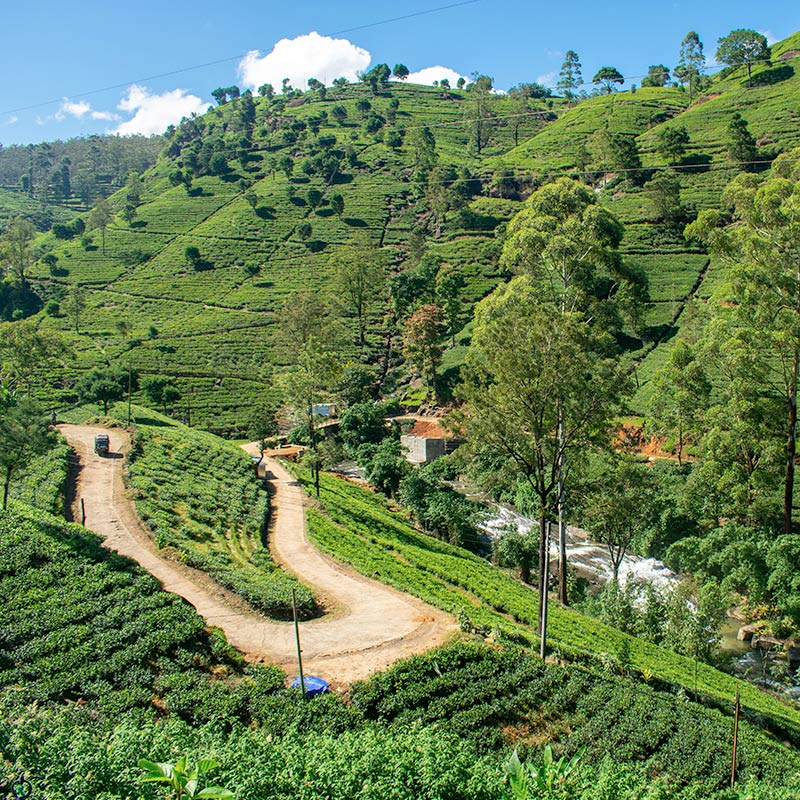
228,59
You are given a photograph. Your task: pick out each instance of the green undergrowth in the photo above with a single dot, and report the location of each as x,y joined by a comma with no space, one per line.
43,483
356,526
435,726
81,624
200,498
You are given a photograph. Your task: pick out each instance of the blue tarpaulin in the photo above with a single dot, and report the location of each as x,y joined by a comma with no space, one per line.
314,686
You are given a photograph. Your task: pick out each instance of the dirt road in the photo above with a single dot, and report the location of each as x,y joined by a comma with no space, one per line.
370,626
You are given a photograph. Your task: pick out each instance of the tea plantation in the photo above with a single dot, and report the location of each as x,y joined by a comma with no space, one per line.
263,226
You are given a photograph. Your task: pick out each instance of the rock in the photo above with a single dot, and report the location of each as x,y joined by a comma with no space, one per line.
746,632
793,692
766,642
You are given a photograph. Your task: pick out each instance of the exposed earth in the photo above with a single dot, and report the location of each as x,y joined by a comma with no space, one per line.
368,626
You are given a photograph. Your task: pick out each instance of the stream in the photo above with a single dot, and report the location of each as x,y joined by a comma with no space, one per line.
591,559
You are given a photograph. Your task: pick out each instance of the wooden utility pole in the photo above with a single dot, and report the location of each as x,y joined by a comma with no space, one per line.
297,639
736,708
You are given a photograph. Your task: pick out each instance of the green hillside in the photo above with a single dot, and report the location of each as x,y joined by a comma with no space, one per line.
356,526
211,324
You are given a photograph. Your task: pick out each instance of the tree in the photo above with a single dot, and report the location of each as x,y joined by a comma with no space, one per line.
449,283
400,72
671,142
24,434
192,255
363,423
421,342
27,352
129,213
480,119
741,144
16,247
680,395
336,204
104,385
526,396
74,304
517,550
460,83
266,90
763,248
657,75
100,217
743,47
606,78
220,95
664,194
568,245
360,275
692,61
422,144
161,392
312,340
339,113
286,165
620,507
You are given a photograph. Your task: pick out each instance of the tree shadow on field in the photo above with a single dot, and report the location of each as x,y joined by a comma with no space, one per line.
695,163
265,212
316,246
772,76
355,222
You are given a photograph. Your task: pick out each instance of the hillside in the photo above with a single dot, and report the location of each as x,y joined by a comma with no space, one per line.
210,323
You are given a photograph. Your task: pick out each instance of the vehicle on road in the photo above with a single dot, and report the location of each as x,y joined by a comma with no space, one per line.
101,444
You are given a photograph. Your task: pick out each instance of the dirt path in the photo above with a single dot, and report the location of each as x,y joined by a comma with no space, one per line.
371,625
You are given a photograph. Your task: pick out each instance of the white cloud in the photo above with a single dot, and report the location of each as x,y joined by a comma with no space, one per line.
107,115
301,58
427,76
548,79
70,109
770,36
153,113
554,53
12,120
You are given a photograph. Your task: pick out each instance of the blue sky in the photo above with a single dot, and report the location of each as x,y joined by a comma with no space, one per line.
57,51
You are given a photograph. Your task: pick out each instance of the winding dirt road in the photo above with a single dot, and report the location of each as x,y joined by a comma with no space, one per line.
369,625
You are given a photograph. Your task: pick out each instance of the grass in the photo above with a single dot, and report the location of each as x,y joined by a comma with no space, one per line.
356,526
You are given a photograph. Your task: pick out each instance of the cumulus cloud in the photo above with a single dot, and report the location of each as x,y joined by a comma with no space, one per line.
427,76
301,58
153,113
69,109
106,115
770,36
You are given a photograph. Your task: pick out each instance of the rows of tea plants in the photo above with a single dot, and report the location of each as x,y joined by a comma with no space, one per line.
482,693
79,623
43,483
201,500
365,533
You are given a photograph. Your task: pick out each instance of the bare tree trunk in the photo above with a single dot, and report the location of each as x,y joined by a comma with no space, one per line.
791,446
562,530
546,575
542,554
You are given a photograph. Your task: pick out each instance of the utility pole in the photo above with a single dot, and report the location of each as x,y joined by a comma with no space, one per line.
543,598
736,708
297,639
